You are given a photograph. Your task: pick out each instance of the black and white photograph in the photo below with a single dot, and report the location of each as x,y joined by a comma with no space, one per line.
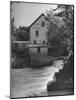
41,49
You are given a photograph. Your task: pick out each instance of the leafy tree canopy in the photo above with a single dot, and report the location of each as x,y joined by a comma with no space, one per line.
22,33
62,27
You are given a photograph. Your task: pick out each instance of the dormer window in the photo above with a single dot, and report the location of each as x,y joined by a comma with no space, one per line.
43,24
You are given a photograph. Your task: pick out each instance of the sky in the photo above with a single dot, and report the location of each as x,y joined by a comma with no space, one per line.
26,13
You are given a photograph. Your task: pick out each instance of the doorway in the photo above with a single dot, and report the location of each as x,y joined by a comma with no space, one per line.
38,49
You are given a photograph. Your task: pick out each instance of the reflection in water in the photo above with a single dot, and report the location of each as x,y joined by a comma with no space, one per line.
27,82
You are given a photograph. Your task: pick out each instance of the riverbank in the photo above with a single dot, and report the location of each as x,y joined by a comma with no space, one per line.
34,61
64,79
38,60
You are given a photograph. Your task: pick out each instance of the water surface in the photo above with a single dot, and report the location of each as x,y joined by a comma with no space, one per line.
31,82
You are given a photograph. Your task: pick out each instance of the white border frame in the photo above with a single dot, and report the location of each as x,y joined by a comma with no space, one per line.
5,48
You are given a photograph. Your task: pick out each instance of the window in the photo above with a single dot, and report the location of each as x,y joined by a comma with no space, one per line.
43,42
23,44
34,42
43,24
38,49
15,44
47,43
37,33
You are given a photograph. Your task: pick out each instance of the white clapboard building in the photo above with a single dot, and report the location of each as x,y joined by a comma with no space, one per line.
38,43
38,35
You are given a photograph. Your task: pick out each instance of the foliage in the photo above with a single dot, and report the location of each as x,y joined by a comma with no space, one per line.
61,27
12,26
22,34
67,14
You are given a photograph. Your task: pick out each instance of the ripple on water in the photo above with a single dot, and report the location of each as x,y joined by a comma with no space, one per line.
32,81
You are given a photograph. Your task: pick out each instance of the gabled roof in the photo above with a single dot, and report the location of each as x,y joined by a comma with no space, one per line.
37,19
46,18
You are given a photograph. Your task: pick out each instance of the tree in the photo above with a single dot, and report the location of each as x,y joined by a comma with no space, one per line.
22,33
55,30
61,27
12,26
67,14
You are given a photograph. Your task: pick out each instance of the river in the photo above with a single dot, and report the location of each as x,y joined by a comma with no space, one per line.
33,82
